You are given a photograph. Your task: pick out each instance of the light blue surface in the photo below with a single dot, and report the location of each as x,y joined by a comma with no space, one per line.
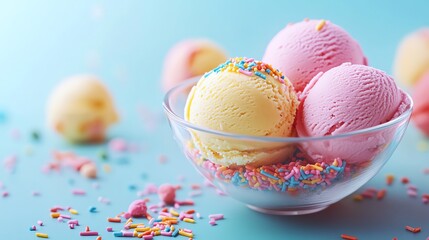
124,43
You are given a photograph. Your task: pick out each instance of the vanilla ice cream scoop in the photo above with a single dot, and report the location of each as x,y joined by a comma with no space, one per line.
81,109
242,96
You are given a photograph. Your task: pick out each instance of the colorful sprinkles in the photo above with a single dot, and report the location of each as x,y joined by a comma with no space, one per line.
248,67
281,177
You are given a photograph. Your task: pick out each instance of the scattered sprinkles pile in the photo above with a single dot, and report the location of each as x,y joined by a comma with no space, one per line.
248,67
294,175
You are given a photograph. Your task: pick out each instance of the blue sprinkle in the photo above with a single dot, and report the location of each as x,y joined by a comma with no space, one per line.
240,66
337,169
269,175
175,233
167,229
207,74
283,77
261,75
284,186
303,175
268,71
92,209
117,234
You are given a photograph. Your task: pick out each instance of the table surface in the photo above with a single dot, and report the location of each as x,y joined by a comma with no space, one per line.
125,43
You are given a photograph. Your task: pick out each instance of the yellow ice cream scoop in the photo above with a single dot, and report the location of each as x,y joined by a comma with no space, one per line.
247,97
81,109
412,57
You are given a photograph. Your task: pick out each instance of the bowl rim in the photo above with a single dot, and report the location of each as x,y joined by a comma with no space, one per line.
405,116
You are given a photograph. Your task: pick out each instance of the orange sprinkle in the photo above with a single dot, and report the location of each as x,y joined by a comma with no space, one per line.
381,194
115,220
390,179
348,237
191,211
320,25
358,198
405,180
55,215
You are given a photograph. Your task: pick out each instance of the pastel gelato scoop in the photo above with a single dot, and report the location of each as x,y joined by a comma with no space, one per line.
81,109
190,58
420,115
242,96
412,57
302,50
345,99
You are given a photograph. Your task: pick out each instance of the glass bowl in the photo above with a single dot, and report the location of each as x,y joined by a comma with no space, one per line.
316,171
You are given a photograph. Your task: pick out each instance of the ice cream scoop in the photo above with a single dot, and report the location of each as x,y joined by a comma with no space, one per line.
344,99
302,50
420,115
190,58
81,109
242,96
412,57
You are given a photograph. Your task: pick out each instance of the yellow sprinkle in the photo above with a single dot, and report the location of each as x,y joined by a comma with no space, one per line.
130,220
155,229
136,225
107,168
186,234
317,167
172,228
320,25
73,211
310,182
189,220
335,163
142,229
423,146
42,235
157,233
173,212
168,218
358,198
55,215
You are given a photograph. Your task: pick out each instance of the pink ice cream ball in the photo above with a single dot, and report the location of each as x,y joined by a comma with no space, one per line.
300,51
420,116
345,99
137,209
167,193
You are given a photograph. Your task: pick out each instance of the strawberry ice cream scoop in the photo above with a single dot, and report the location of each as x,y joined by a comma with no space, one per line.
302,50
420,115
344,99
137,209
167,193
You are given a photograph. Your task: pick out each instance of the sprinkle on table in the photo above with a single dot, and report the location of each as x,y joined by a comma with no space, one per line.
348,237
413,229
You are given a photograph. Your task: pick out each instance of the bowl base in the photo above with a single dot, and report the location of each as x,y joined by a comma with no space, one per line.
290,211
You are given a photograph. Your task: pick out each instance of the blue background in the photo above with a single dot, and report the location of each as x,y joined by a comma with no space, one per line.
42,42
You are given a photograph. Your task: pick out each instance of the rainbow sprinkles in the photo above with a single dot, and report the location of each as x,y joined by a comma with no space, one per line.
248,67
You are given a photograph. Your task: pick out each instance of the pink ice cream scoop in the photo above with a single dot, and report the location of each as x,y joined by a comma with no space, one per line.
345,99
137,209
420,115
167,193
302,50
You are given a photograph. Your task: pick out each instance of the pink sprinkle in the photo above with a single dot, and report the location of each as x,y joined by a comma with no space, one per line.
60,219
220,192
195,186
250,60
109,229
78,192
74,222
185,203
65,216
412,193
176,205
71,226
162,159
218,216
35,194
104,200
212,222
411,187
426,171
33,228
10,162
245,72
89,233
163,233
147,237
40,223
5,194
127,234
187,230
118,145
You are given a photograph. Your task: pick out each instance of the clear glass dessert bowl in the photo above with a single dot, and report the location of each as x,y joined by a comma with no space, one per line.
312,173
